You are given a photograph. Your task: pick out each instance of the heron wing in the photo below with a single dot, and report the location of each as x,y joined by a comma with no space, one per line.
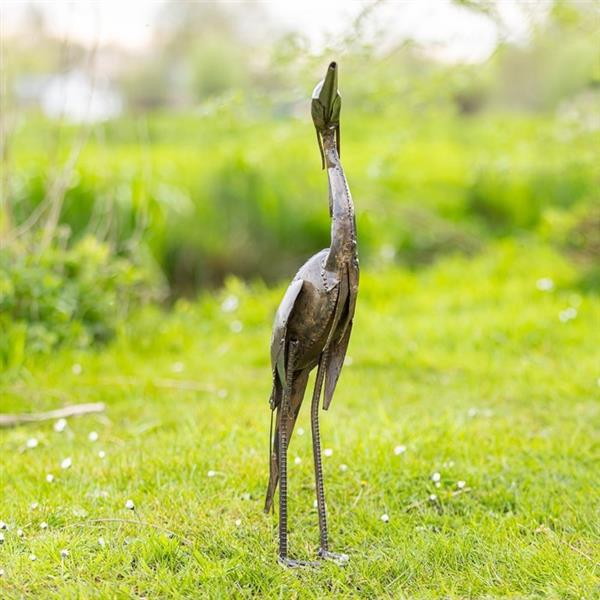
338,347
278,339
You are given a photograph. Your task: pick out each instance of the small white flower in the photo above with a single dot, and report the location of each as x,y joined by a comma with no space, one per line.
3,525
43,525
230,303
102,454
101,542
32,443
436,477
60,425
211,473
49,478
64,553
348,361
20,533
178,367
1,538
568,314
245,496
297,460
130,505
387,252
76,369
401,449
438,484
33,505
236,326
385,517
32,557
328,452
545,284
460,484
301,430
1,572
432,497
343,467
315,504
472,412
238,522
66,463
93,436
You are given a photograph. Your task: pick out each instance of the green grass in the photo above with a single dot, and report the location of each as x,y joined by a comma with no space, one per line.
466,363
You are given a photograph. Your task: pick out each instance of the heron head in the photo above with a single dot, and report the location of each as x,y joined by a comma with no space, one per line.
326,101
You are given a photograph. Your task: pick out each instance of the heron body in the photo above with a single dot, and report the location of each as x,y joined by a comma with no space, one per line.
313,323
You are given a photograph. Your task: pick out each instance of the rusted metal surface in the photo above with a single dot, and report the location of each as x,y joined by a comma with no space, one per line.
313,323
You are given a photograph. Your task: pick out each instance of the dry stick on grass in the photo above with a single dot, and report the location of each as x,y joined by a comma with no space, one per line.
183,539
67,411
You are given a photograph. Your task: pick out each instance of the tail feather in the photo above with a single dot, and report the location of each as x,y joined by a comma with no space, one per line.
298,388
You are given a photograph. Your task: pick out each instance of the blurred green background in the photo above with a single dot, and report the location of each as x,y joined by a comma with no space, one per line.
151,173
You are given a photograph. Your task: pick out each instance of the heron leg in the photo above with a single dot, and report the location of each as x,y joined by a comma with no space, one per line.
283,447
316,438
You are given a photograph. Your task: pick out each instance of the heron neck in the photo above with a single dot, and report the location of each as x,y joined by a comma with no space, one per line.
341,208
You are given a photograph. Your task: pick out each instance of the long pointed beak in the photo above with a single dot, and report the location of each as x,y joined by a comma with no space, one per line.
329,90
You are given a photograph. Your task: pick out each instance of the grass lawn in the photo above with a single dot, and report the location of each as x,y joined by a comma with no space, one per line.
467,369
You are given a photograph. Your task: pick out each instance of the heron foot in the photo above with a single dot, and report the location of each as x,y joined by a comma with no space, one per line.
292,563
338,559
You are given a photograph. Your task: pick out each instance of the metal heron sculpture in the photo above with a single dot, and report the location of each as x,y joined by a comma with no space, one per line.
313,323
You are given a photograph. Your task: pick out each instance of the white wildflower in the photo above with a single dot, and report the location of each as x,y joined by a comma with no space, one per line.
436,477
432,497
93,436
49,478
76,369
230,303
101,542
3,525
472,412
60,425
43,525
460,484
66,463
343,467
1,572
236,326
32,443
297,460
545,284
385,517
568,314
301,430
32,557
20,533
401,449
1,538
348,361
178,367
211,473
64,553
328,452
130,505
102,454
238,522
33,505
